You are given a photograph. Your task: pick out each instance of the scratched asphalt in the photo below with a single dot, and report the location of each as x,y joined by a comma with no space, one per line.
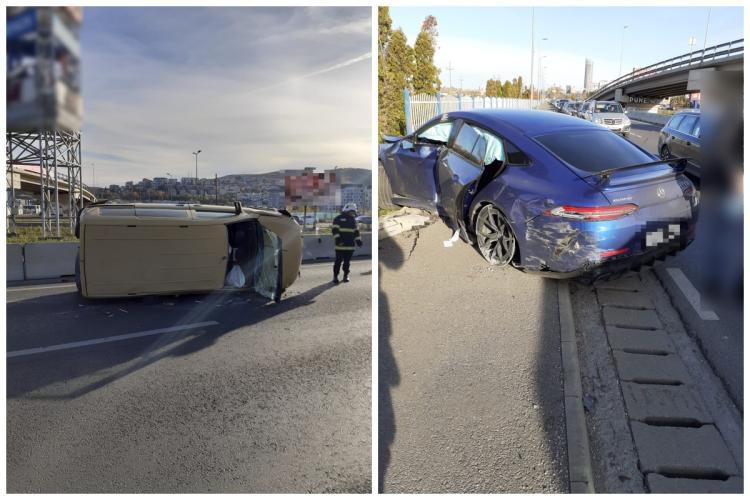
274,398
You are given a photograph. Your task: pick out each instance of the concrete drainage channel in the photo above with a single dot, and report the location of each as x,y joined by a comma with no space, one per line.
657,418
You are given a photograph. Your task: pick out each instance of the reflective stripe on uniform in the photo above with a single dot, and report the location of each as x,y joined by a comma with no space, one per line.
346,230
344,248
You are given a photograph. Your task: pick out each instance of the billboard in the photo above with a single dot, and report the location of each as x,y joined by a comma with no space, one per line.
43,69
312,189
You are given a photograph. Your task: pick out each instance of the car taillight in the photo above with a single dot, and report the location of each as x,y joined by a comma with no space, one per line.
611,212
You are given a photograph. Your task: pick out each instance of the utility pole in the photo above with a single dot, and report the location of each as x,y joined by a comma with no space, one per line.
531,80
450,69
216,181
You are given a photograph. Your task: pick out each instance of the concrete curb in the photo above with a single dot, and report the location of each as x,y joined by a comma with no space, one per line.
580,475
405,221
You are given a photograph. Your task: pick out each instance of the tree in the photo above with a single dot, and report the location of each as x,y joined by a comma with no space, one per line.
429,25
384,37
493,88
426,78
507,89
399,68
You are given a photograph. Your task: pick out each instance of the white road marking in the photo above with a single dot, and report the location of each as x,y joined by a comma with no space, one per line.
691,294
83,343
638,136
32,288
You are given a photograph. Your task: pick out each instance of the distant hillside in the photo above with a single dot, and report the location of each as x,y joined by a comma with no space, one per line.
346,175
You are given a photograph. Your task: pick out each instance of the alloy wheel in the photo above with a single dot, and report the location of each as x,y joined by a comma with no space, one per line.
494,236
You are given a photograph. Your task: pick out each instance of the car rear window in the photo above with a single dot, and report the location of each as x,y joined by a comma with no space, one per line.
675,121
687,124
593,150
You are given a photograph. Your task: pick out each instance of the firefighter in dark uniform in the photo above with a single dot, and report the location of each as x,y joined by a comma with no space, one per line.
345,236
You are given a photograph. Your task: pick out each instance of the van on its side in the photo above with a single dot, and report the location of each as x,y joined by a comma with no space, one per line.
154,248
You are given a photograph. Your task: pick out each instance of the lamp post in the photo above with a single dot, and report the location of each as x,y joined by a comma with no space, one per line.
622,46
196,153
539,77
531,79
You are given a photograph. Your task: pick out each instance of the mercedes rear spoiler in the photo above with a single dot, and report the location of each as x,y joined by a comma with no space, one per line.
678,165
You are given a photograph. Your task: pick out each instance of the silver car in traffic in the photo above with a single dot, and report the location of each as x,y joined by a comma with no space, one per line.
608,114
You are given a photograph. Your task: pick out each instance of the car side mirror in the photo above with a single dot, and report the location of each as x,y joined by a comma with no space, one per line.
407,144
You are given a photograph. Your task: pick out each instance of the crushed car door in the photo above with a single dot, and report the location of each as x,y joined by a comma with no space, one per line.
267,279
474,155
415,162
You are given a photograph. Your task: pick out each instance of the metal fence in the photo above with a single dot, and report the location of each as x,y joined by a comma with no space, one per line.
421,108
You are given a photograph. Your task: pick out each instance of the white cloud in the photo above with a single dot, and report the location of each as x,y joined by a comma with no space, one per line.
148,104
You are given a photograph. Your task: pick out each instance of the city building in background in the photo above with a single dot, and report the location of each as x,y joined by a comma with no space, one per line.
43,115
301,191
588,76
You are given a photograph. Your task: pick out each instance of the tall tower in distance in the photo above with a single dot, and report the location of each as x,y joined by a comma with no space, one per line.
588,76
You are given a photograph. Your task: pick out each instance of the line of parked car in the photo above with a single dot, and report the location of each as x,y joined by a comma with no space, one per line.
608,114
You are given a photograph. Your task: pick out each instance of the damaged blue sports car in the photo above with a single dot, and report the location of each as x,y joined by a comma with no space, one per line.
543,192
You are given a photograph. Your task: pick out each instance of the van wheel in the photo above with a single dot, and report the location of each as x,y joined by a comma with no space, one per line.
385,194
78,271
494,236
665,153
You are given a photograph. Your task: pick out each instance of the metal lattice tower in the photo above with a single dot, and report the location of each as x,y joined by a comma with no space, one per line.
43,112
58,156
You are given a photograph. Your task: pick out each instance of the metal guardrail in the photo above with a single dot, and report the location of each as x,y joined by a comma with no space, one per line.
688,60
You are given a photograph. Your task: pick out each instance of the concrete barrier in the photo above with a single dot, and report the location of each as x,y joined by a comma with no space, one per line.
14,262
653,118
49,260
53,260
317,247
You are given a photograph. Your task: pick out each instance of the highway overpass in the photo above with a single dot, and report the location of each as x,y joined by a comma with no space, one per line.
672,77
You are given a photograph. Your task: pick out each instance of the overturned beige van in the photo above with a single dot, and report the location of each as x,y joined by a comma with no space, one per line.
155,248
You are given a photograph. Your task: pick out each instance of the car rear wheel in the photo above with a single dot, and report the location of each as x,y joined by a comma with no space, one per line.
385,194
495,238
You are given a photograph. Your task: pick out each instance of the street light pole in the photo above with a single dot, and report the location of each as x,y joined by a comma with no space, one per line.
622,46
705,35
531,80
196,153
539,76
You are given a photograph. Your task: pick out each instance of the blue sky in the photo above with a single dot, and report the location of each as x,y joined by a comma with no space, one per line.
482,42
256,89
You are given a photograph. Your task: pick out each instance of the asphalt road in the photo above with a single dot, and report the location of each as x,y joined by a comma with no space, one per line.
470,383
268,398
712,266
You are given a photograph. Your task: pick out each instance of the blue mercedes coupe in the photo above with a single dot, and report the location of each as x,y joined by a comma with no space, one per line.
543,192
